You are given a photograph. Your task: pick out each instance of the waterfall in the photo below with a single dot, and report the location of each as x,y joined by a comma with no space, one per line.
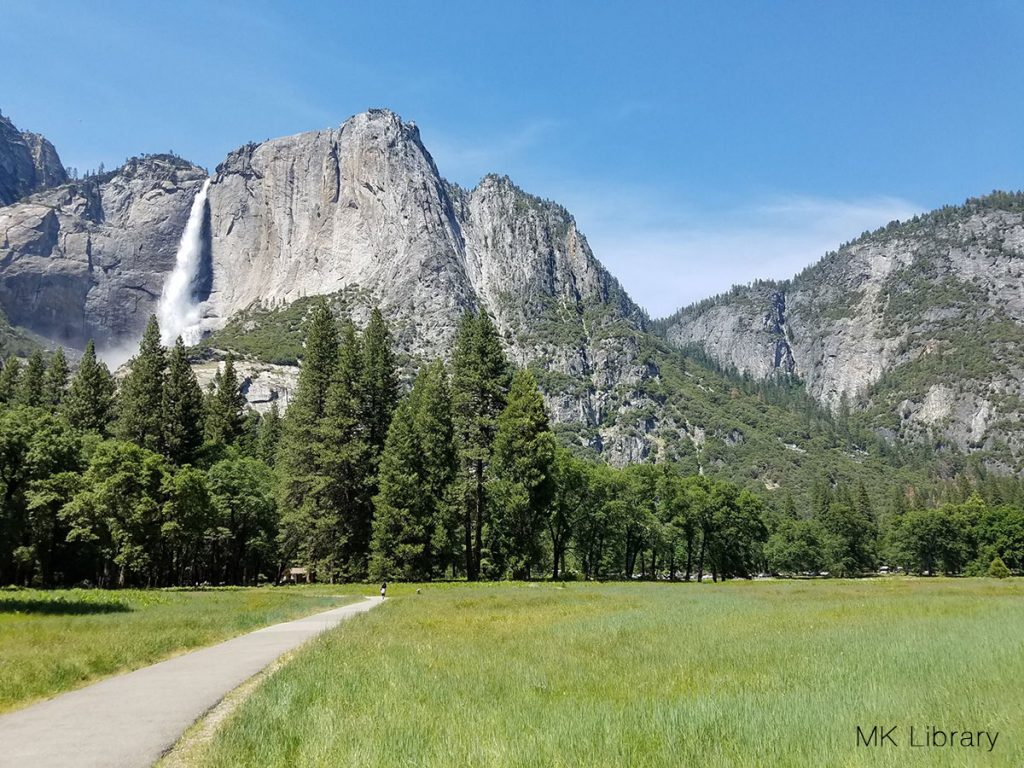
180,312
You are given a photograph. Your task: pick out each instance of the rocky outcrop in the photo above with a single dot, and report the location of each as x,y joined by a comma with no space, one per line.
917,325
28,163
362,209
87,259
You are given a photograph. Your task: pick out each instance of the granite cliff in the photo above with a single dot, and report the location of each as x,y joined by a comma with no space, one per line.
915,329
28,163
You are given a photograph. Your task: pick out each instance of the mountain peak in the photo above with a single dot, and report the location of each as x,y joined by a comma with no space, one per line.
28,163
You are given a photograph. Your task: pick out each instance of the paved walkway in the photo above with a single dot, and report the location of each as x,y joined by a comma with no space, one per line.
130,720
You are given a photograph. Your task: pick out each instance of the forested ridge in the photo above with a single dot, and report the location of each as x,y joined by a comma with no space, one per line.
456,474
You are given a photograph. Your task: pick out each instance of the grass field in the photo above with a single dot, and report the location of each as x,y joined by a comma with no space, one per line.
55,640
751,674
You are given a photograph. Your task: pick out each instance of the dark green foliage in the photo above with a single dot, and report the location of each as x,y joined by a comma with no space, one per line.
242,492
379,380
341,519
269,436
520,481
32,386
117,517
182,409
480,380
414,533
297,458
225,405
55,381
89,401
37,451
188,526
140,409
10,377
796,546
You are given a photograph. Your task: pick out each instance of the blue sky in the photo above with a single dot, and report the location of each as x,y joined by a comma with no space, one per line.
697,143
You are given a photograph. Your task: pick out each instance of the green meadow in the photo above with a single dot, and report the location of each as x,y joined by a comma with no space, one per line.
734,674
55,640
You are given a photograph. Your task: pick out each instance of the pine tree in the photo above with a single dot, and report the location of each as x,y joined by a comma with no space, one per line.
225,404
10,378
436,433
402,523
31,388
140,402
89,402
56,380
378,380
520,479
344,510
182,408
269,436
412,528
298,453
480,378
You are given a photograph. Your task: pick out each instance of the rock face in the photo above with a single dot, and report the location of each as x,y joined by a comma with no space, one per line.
363,209
28,163
916,325
87,259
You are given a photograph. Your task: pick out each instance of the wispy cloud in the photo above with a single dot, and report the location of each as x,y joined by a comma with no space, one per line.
669,257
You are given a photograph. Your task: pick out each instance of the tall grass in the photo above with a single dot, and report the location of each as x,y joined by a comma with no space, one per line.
54,640
750,674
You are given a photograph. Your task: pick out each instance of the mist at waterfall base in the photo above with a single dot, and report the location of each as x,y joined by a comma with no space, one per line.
179,312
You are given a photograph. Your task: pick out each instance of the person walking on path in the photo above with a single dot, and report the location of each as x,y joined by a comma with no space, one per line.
383,590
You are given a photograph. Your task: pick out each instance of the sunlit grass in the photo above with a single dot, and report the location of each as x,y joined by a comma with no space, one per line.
54,640
758,674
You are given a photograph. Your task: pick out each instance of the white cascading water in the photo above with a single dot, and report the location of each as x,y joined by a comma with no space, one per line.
178,312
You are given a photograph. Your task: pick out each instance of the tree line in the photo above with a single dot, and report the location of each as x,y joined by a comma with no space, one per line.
967,529
456,474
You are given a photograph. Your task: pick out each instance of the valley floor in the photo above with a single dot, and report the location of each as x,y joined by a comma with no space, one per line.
55,640
741,673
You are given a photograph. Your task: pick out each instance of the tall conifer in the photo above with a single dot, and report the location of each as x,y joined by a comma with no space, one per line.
182,408
298,452
55,382
520,479
89,401
480,378
412,525
346,460
140,402
31,388
10,378
225,405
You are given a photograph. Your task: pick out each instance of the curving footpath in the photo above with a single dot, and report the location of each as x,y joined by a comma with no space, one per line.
129,721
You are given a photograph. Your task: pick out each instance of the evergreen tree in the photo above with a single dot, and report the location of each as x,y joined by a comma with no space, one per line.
10,378
343,512
89,401
225,404
56,380
182,408
480,378
520,479
413,535
31,388
435,431
269,436
378,380
402,523
140,413
298,453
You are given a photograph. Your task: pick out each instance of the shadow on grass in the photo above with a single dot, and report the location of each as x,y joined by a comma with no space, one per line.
60,607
